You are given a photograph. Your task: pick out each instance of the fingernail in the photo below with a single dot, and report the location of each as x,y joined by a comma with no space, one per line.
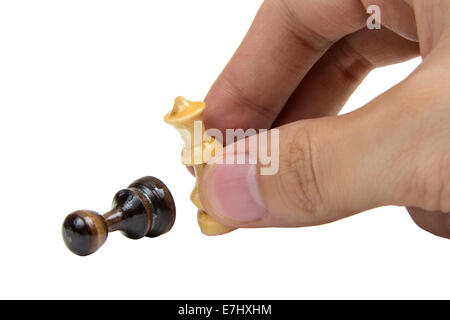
234,193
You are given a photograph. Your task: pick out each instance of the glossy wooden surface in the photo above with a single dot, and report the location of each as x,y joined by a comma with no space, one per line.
145,208
84,231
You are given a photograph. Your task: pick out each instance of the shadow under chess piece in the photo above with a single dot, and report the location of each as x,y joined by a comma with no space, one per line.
145,208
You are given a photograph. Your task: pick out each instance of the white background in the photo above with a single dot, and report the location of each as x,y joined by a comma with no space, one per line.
84,86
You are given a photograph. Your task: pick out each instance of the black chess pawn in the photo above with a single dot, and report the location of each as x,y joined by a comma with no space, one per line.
145,208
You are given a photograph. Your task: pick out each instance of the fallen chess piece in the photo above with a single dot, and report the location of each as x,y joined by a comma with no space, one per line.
187,117
145,208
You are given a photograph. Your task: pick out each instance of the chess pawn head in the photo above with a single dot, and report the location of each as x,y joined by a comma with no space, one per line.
187,117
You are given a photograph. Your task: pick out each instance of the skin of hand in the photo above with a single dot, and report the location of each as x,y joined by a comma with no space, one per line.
295,69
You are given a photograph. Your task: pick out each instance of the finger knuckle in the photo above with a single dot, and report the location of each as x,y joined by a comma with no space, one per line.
297,181
309,37
432,184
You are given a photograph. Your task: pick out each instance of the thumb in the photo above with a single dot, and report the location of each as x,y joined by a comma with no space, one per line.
329,168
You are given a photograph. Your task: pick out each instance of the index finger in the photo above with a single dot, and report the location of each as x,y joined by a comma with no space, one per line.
285,40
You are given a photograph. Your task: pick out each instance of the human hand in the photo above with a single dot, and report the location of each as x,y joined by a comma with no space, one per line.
295,69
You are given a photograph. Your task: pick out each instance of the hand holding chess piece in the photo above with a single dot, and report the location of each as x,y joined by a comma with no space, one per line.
293,73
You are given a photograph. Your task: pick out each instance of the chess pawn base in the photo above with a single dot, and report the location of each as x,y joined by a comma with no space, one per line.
211,227
208,226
